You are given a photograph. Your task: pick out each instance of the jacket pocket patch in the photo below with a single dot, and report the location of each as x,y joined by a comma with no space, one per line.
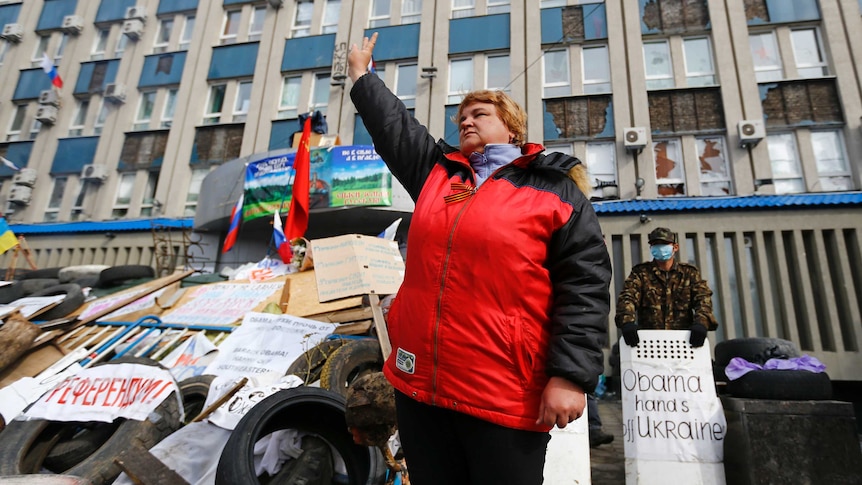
405,361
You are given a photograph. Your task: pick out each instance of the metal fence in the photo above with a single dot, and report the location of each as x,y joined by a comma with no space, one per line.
794,274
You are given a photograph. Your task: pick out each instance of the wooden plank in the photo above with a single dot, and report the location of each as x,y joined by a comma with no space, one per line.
145,469
353,328
344,316
380,326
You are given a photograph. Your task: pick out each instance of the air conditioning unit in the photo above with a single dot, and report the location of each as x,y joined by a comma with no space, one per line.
276,4
95,171
136,12
750,132
635,138
25,176
47,114
20,194
49,97
133,28
12,33
115,92
72,24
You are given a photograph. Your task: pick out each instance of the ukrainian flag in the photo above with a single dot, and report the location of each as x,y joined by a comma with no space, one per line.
7,237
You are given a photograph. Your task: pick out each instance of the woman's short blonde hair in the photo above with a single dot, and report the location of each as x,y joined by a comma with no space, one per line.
510,112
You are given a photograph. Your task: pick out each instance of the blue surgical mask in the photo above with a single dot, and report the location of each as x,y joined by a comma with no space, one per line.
661,252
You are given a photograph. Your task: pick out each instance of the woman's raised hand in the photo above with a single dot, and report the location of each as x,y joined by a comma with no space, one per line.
358,59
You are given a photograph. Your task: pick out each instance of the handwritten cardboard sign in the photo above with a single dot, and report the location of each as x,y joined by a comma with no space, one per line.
355,265
223,303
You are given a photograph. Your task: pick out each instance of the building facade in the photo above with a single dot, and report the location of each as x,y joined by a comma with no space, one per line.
736,122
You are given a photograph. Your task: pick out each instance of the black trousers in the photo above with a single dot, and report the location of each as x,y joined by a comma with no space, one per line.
444,447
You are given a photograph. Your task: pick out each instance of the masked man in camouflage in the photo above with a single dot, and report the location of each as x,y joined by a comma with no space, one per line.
665,294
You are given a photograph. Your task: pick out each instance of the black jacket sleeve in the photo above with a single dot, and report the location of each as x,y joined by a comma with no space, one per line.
404,144
581,272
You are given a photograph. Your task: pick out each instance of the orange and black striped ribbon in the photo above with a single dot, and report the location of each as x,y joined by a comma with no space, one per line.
462,192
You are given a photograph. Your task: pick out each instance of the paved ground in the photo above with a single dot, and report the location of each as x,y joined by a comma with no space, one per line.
607,462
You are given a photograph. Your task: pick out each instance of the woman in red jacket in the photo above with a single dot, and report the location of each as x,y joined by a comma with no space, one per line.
498,326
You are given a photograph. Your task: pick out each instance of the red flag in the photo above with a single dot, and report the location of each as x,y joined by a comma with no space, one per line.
297,217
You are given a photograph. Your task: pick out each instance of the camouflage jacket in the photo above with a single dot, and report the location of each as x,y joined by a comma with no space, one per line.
669,300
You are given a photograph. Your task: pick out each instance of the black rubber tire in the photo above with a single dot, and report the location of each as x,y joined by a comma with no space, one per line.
53,273
71,273
37,284
23,443
751,348
309,365
353,360
83,442
73,300
86,281
782,385
194,391
308,409
10,293
117,274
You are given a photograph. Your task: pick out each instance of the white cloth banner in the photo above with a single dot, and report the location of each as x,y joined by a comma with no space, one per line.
229,414
190,358
670,408
105,393
266,344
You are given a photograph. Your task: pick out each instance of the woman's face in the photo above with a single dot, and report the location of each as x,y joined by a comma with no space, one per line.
480,125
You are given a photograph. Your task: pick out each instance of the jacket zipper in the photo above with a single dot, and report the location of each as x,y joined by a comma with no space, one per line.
443,279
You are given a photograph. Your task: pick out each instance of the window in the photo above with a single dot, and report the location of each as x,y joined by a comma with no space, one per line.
764,52
100,120
64,39
231,27
194,191
78,205
122,40
807,53
552,3
100,44
330,17
302,19
557,78
169,109
255,30
659,70
460,79
289,105
497,72
498,6
411,11
463,8
41,48
596,70
669,171
405,84
243,99
80,118
601,166
34,128
124,195
699,70
214,104
163,36
379,16
14,131
186,36
145,110
714,170
148,201
786,172
320,92
832,167
53,210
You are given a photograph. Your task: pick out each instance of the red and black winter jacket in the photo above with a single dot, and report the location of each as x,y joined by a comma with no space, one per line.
505,285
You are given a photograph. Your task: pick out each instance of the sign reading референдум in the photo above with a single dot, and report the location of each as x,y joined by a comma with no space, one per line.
670,408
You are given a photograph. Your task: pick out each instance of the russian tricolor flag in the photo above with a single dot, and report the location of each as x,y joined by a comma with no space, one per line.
51,71
281,242
233,230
